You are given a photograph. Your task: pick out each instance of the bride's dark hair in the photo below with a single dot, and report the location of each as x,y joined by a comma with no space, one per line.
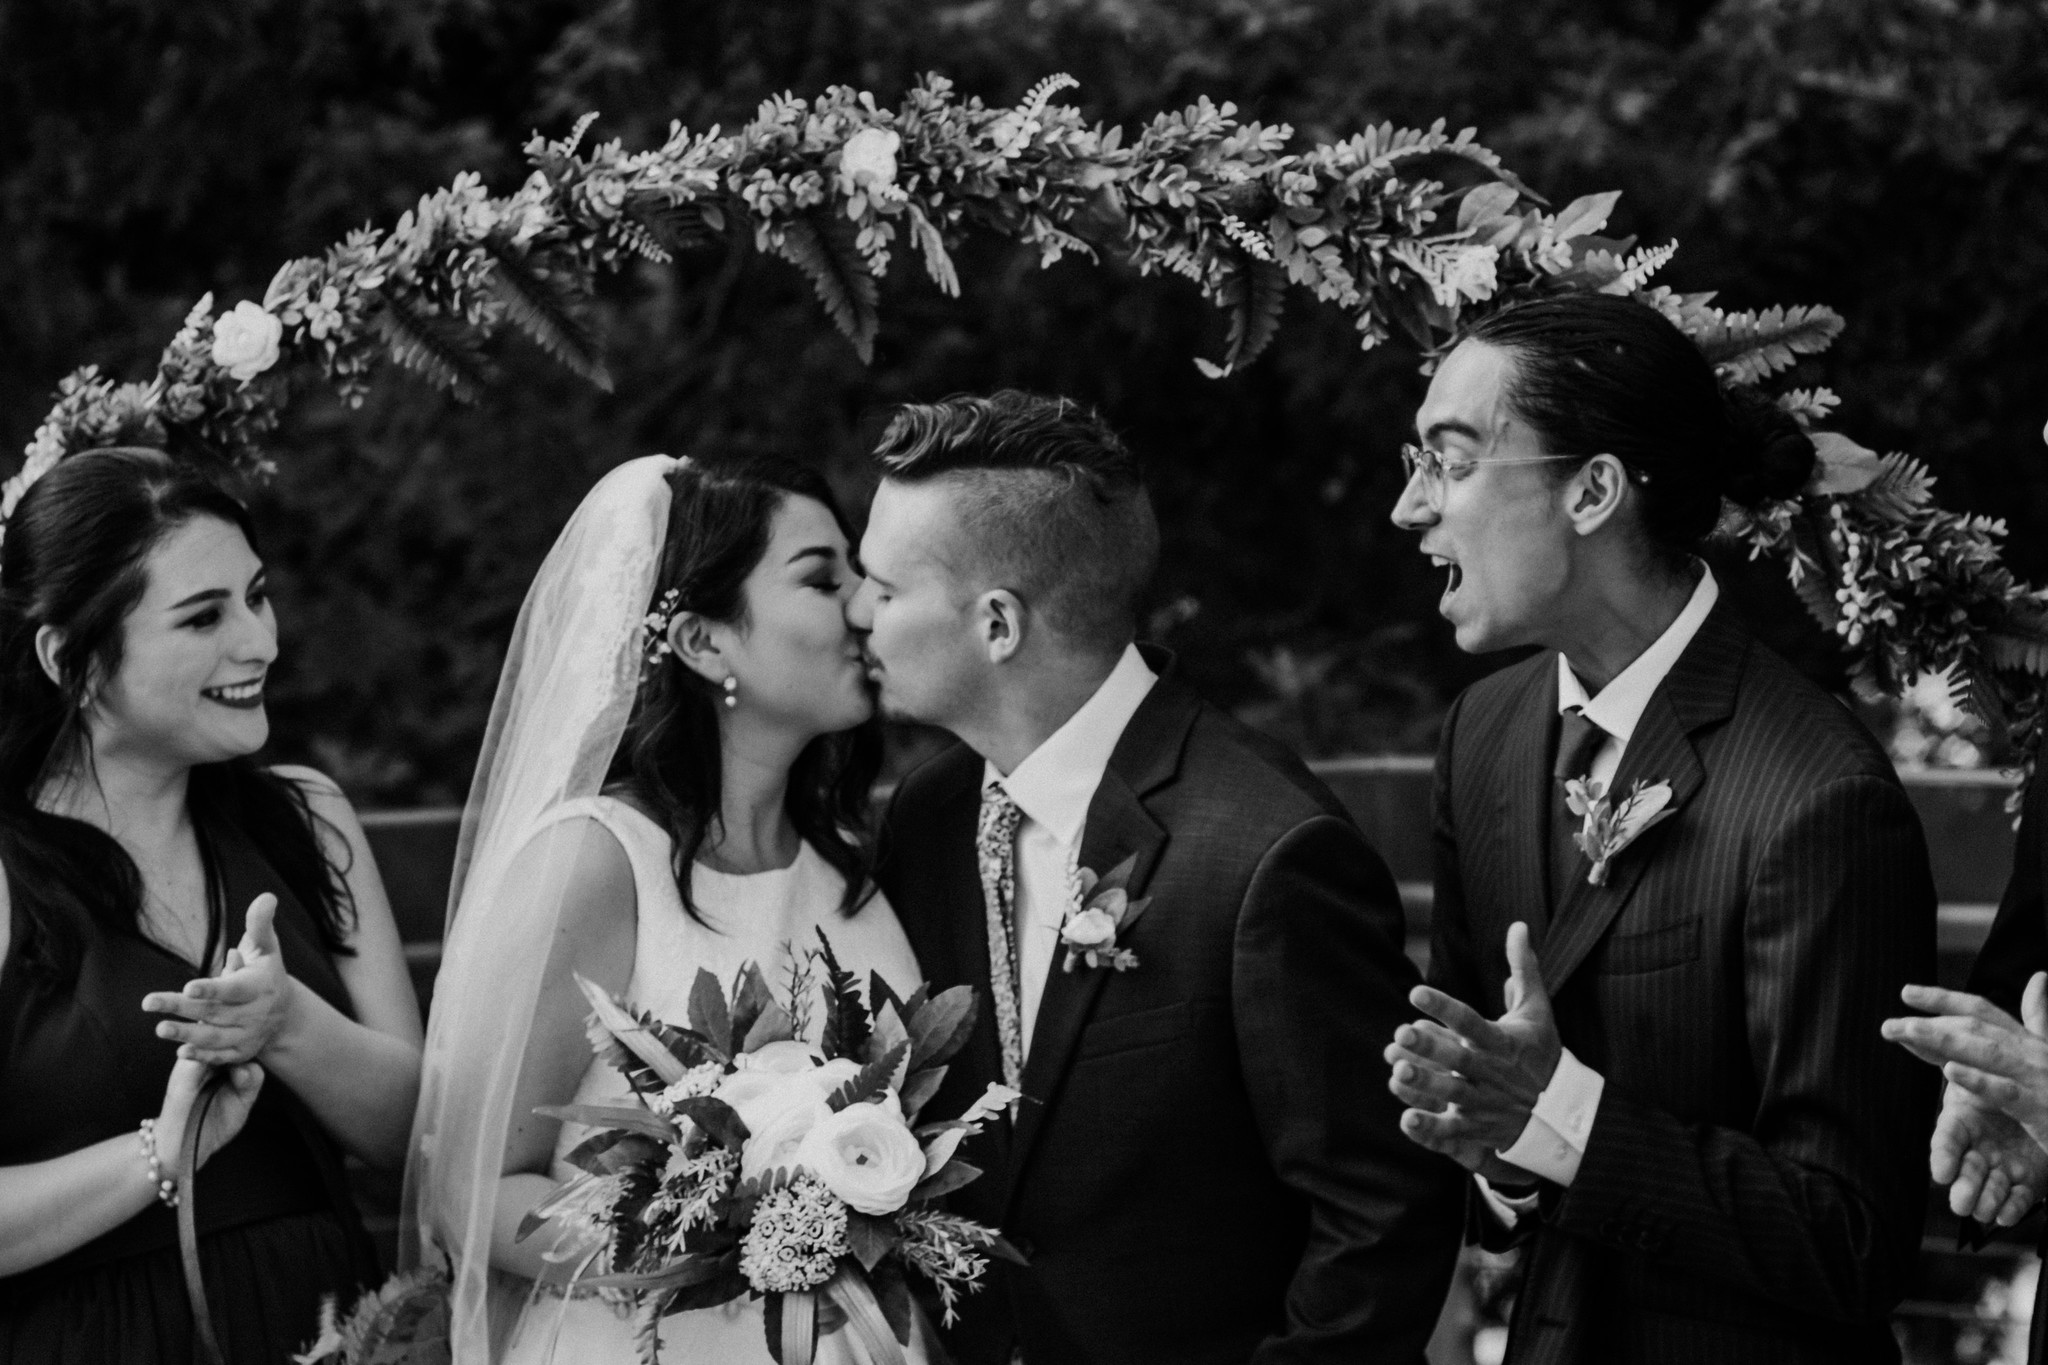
76,558
718,528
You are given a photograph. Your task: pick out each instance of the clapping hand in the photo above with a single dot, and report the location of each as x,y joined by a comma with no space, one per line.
1470,1083
1990,1145
232,1017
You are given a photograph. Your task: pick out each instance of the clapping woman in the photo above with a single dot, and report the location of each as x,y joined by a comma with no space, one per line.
170,908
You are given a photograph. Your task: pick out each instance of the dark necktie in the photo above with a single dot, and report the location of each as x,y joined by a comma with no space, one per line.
1578,739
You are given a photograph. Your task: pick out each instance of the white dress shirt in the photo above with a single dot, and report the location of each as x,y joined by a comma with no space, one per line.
1554,1142
1053,787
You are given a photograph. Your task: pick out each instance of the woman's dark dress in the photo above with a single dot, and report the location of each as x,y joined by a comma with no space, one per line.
276,1229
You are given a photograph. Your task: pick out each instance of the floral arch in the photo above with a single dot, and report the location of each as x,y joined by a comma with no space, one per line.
1407,231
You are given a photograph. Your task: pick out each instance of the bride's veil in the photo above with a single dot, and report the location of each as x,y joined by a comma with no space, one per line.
562,705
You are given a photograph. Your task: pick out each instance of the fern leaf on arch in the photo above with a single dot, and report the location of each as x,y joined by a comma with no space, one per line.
842,281
538,308
433,345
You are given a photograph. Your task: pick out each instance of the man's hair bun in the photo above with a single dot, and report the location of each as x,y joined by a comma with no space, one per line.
1768,457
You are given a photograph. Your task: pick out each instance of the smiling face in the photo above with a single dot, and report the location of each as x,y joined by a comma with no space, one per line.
796,663
924,645
1500,532
194,654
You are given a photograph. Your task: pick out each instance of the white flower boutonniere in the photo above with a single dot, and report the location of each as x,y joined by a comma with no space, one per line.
1101,913
1608,829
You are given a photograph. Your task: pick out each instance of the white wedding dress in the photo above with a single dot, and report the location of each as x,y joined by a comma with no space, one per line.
758,918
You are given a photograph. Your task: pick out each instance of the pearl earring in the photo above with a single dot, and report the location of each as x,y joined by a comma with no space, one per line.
732,691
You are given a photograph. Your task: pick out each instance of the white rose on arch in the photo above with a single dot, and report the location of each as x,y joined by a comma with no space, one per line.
868,160
866,1155
245,341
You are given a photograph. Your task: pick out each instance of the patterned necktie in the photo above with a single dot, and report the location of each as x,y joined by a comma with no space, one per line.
995,851
1578,739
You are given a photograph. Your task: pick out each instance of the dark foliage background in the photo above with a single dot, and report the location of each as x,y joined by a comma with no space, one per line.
1888,157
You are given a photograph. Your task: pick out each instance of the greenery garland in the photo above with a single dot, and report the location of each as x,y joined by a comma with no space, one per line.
1408,230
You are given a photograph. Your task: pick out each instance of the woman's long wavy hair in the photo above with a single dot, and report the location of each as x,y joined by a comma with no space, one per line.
669,760
76,558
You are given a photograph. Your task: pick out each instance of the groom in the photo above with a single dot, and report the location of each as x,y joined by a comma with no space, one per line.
1206,1166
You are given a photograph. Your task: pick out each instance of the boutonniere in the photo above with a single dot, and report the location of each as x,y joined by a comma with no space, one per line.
1101,911
1607,828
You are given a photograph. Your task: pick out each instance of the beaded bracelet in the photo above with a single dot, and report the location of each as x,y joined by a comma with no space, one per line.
166,1188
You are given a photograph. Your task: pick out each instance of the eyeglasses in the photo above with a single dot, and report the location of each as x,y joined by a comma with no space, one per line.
1431,465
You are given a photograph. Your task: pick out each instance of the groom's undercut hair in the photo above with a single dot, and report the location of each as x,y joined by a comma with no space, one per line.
1052,505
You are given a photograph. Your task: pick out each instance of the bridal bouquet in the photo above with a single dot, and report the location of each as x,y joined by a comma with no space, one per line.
754,1162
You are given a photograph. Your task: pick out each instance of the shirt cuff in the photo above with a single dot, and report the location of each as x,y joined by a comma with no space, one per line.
1554,1141
1509,1209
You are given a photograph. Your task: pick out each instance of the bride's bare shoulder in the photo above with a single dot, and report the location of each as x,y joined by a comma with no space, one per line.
578,859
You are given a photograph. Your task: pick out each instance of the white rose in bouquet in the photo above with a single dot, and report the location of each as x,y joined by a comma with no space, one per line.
786,1056
865,1155
245,341
778,1143
868,159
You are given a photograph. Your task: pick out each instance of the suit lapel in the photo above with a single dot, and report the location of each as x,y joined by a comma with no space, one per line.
1523,819
1699,691
1119,827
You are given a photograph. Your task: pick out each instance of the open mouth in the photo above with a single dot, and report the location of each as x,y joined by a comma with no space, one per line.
242,696
1454,578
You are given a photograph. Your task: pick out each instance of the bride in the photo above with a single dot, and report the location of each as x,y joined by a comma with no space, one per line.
681,744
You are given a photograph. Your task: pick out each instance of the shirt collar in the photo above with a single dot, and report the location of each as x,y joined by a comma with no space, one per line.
1056,781
1620,705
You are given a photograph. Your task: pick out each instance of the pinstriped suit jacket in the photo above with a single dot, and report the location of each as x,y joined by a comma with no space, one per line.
1754,1185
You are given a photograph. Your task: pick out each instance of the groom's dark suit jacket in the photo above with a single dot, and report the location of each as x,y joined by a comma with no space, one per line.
1209,1167
1754,1184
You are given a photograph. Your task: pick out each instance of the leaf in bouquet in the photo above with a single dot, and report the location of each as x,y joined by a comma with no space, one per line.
708,1012
774,1026
715,1117
888,1032
564,1194
690,1270
1118,878
918,1090
871,1080
870,1237
633,1120
711,1293
879,994
892,1293
647,1329
942,1027
846,1015
939,1149
632,1034
615,1150
1000,1246
750,996
950,1177
848,1289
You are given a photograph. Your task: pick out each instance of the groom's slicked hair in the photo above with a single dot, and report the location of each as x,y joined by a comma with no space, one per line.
1052,504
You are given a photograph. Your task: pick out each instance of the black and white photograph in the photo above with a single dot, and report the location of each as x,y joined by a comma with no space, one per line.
1023,682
